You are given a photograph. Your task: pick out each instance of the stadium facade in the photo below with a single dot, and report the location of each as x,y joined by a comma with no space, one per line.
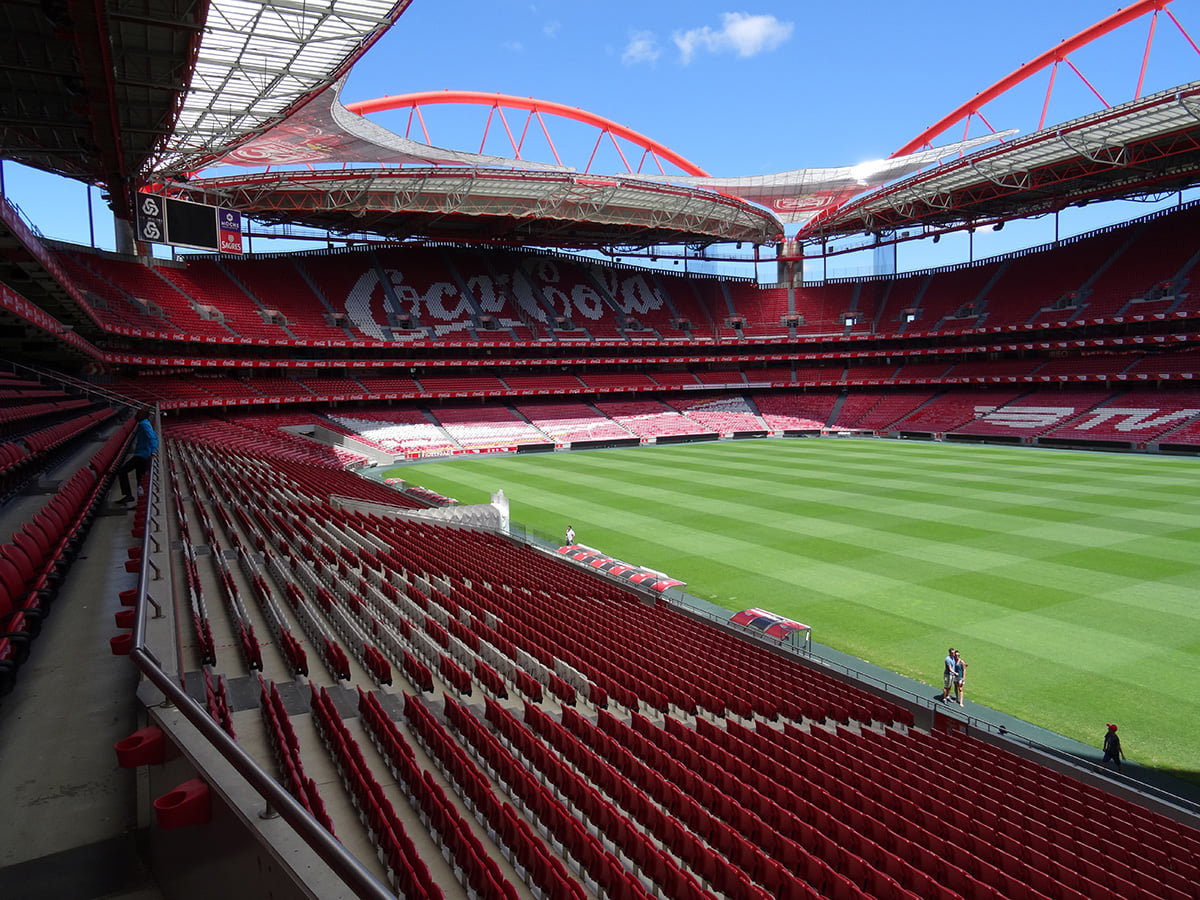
320,654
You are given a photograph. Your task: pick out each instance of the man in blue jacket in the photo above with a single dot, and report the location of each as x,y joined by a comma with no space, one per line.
145,442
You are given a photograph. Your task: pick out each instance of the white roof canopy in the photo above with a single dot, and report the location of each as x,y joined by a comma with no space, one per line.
259,59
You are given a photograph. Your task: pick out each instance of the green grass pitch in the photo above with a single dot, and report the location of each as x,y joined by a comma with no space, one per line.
1071,580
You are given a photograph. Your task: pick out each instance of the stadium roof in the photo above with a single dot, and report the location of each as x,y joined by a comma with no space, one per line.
481,204
89,90
259,62
125,93
1150,145
110,91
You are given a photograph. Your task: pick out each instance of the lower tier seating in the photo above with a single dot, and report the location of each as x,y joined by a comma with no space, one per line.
552,728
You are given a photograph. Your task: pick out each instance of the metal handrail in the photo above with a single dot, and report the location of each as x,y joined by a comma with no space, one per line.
345,864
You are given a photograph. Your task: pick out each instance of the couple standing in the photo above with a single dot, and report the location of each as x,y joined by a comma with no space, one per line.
955,676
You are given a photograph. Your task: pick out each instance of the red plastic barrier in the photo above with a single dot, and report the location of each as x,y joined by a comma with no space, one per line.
189,804
121,644
146,746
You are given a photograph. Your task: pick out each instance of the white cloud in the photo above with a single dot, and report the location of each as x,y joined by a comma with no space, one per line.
642,48
741,33
551,29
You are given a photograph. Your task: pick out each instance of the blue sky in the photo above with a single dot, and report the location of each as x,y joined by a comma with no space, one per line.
739,88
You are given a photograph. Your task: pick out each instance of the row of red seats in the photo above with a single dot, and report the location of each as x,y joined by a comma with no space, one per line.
15,463
445,824
20,456
16,412
612,826
596,864
658,685
33,563
526,851
197,472
286,747
407,871
217,698
869,780
205,646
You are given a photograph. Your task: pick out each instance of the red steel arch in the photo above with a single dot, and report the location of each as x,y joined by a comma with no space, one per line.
1052,57
535,108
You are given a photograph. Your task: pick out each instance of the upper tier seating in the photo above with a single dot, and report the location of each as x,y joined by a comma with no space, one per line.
1153,253
1049,286
418,293
279,284
955,300
886,410
147,284
1034,414
808,411
261,433
205,282
112,305
762,310
569,422
893,301
475,427
367,297
398,431
953,409
649,418
720,414
1139,417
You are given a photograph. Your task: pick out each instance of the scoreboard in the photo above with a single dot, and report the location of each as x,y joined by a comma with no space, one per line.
182,223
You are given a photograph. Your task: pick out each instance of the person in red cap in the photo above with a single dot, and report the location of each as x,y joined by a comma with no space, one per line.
1112,747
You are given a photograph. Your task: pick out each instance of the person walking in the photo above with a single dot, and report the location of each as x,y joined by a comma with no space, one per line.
570,535
948,675
1112,748
145,442
960,677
